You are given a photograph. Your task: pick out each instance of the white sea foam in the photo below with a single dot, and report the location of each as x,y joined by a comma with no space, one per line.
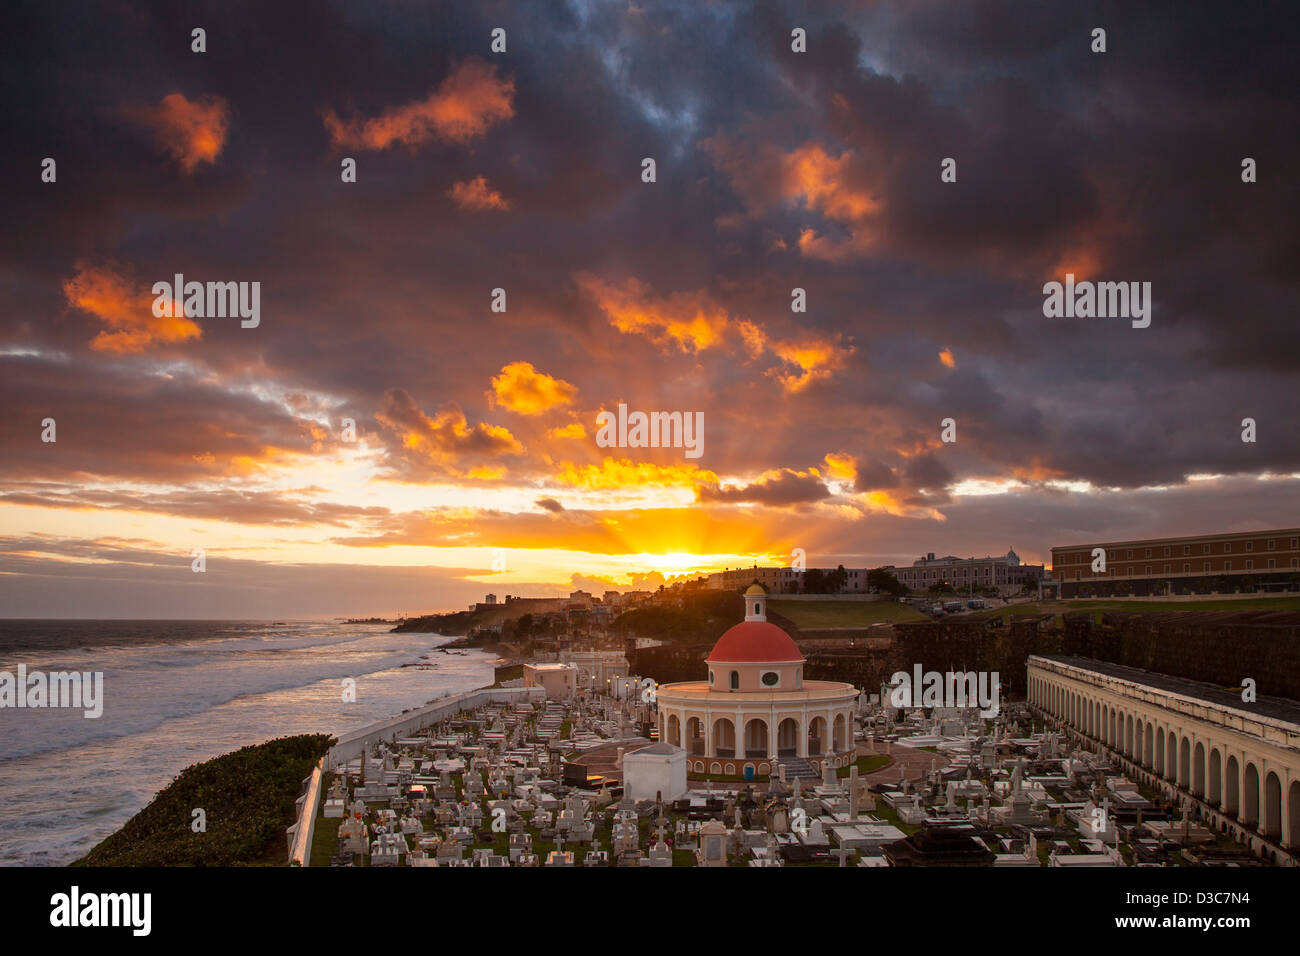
66,785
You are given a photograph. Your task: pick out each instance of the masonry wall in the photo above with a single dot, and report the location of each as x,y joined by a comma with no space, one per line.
1217,647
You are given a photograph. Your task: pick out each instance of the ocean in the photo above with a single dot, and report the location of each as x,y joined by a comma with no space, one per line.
180,692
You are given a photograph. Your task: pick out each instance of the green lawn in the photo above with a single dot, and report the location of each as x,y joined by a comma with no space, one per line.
834,613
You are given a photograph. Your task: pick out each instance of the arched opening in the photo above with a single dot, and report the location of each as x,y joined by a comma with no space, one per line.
1149,744
1198,770
787,738
1171,757
756,738
1250,797
1184,763
1128,736
1293,815
816,736
1232,789
840,744
724,737
674,730
735,680
1272,828
694,742
1214,795
1137,742
1160,752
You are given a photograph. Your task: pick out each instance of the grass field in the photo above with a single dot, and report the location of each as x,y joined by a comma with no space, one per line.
834,613
1101,606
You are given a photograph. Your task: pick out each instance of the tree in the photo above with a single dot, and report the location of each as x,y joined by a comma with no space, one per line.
881,580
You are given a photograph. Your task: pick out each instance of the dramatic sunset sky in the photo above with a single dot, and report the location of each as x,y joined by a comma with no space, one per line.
522,170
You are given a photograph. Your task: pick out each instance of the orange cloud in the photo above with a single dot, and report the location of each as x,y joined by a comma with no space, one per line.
841,467
440,441
127,309
523,389
622,473
572,430
468,102
693,322
820,181
478,195
946,358
191,131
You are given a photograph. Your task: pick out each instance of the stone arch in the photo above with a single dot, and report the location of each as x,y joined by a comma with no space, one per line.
674,730
838,734
1171,757
1148,743
1138,750
1160,751
1128,737
1293,815
1198,770
1250,796
817,739
724,737
729,769
1214,792
694,742
756,739
1185,763
715,767
787,737
1271,821
1232,788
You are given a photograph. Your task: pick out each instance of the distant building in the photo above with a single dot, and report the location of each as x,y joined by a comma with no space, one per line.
560,681
1196,564
1004,572
783,580
489,599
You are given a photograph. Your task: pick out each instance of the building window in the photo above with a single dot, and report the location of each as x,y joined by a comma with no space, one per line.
1148,553
1295,562
771,678
1166,551
1187,569
1205,549
710,677
1250,545
1293,544
1129,553
735,678
1148,568
1227,565
1250,565
1271,564
1167,567
1227,547
1271,544
1207,567
1187,549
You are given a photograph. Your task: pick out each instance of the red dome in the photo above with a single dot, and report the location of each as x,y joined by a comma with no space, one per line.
752,642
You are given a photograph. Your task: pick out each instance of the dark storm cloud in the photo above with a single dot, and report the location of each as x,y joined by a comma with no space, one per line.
786,488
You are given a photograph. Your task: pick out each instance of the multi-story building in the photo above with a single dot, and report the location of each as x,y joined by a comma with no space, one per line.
1203,564
1004,572
783,580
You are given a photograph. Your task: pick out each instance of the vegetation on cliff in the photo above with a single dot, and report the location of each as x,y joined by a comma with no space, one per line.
248,799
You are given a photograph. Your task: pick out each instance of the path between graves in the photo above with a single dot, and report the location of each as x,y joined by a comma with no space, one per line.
915,763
